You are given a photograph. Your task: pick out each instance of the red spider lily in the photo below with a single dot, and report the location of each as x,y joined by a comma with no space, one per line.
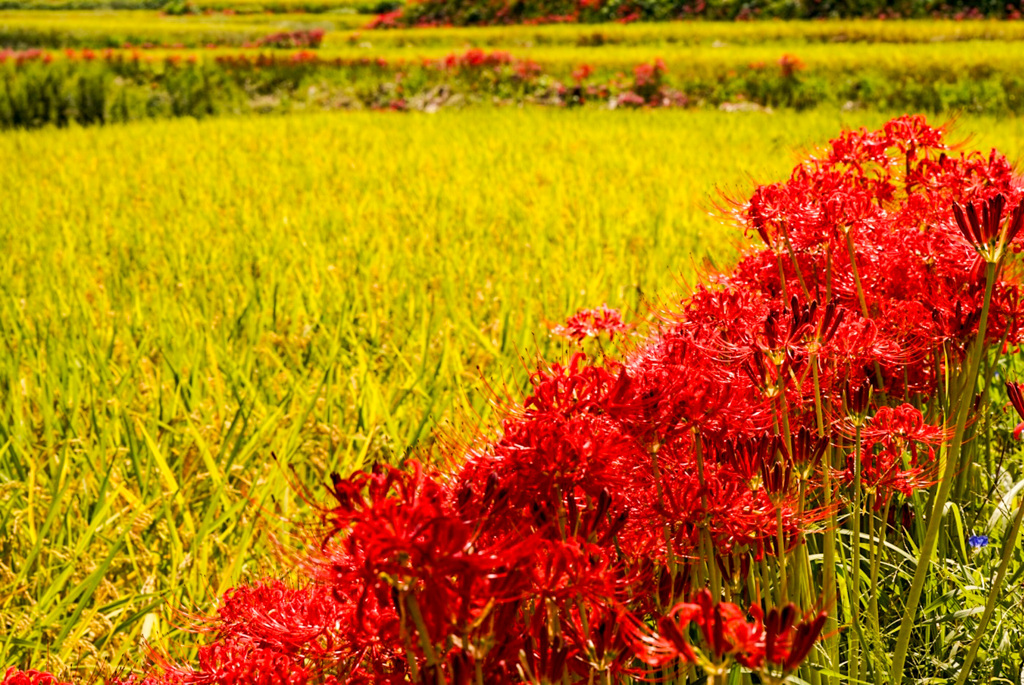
856,399
905,424
724,626
399,537
475,58
13,676
582,72
241,663
590,323
387,20
891,459
911,133
986,233
1016,393
786,643
749,459
312,622
808,449
775,645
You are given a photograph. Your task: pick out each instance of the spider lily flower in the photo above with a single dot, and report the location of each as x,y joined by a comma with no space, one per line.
808,449
897,455
590,323
773,646
988,234
856,400
1016,393
786,642
750,458
14,676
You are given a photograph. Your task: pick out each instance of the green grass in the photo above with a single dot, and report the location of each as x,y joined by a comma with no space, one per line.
197,316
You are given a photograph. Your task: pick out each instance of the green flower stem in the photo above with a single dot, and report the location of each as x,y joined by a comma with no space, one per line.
989,363
856,276
829,586
796,264
829,554
804,579
403,628
705,533
424,635
782,277
990,605
783,585
854,579
783,414
666,530
948,461
862,299
876,546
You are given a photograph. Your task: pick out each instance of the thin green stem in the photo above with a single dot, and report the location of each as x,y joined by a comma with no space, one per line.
796,264
783,585
705,533
875,547
424,635
856,275
854,580
666,529
829,555
403,629
948,462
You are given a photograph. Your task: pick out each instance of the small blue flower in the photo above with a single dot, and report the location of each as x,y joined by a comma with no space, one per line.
978,541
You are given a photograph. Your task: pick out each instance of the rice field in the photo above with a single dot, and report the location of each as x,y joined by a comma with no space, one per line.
841,40
198,317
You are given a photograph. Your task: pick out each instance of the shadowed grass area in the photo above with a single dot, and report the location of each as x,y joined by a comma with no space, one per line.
183,301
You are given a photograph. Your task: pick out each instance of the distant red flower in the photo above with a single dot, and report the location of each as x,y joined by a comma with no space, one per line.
582,72
790,64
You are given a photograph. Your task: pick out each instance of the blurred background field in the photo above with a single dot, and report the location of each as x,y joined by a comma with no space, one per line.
346,20
102,67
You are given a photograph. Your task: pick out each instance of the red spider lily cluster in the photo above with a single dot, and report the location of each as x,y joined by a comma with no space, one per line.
387,20
20,57
304,58
590,323
13,676
773,646
643,518
475,58
301,38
